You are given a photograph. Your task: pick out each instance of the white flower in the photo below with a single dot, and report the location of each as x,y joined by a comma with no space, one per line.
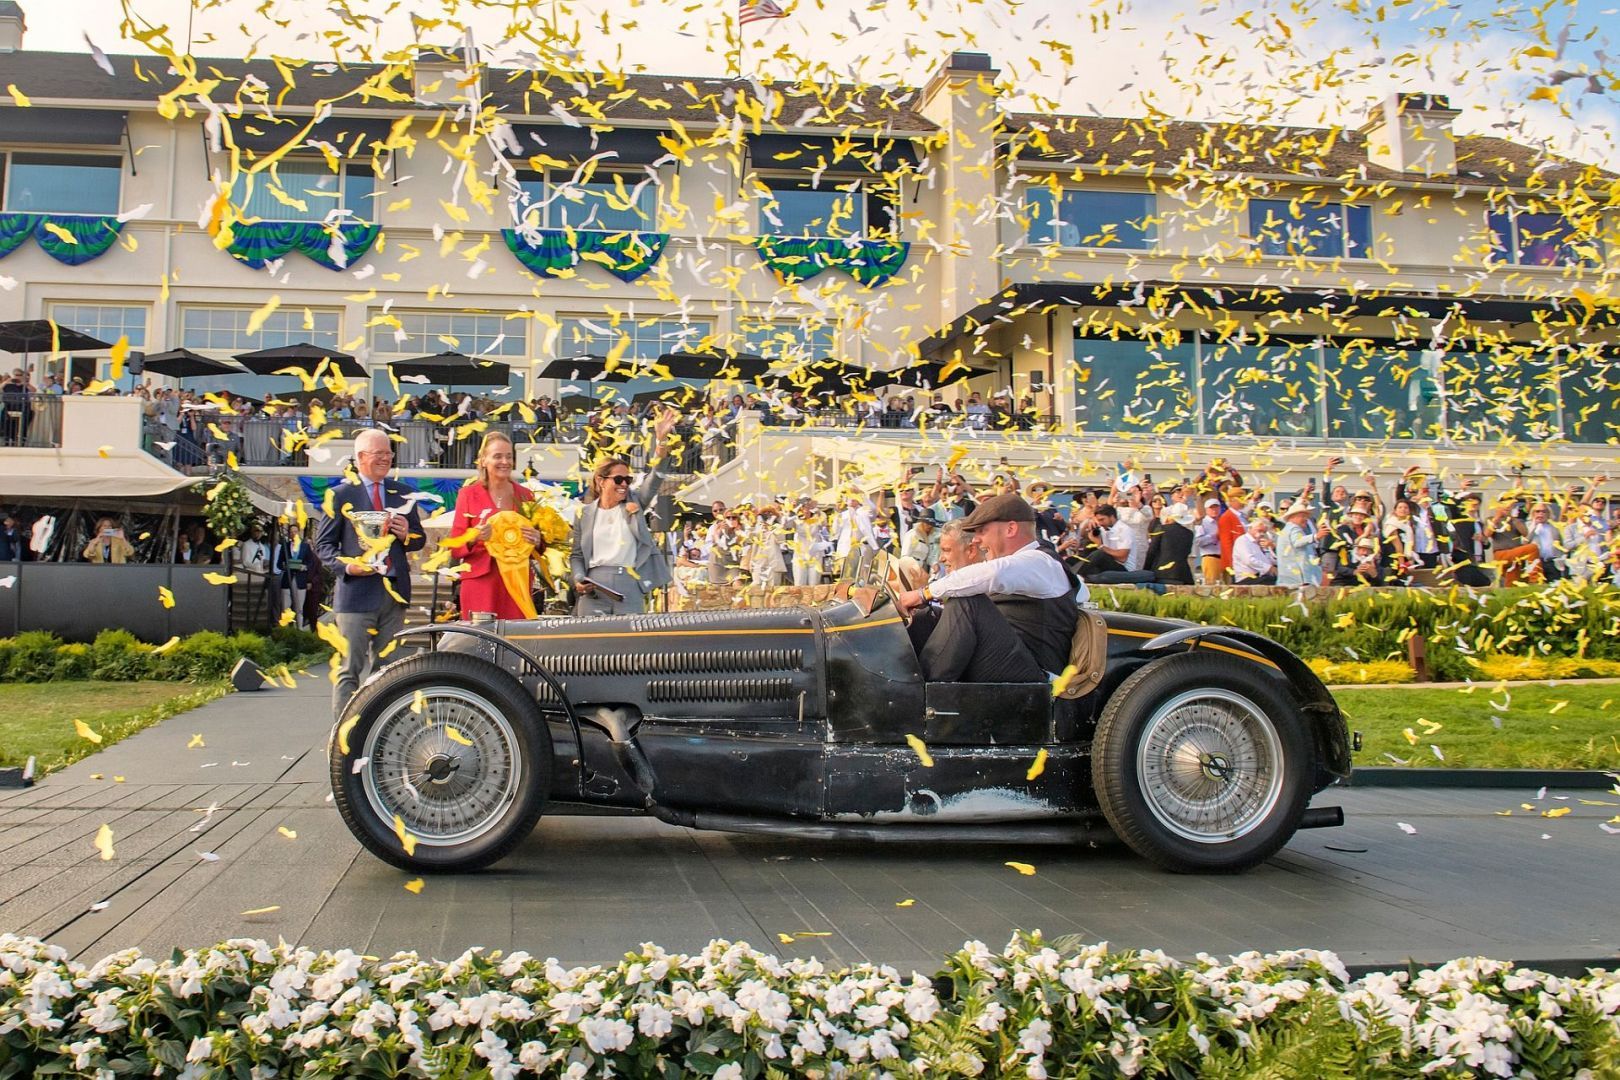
728,1072
654,1021
606,1035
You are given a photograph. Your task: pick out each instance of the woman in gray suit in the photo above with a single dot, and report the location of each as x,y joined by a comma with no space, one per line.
613,547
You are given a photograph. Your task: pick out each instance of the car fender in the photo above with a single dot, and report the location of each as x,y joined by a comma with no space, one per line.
1327,723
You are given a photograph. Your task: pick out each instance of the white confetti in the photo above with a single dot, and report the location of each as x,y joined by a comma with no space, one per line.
1407,829
359,763
206,856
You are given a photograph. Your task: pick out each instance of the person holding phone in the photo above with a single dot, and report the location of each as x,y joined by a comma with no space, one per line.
615,560
109,544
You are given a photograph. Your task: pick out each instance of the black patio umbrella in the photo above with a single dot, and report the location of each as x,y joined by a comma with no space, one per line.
452,369
824,376
740,367
185,364
303,356
679,396
45,335
589,367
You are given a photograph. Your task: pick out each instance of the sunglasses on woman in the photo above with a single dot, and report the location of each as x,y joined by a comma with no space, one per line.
621,480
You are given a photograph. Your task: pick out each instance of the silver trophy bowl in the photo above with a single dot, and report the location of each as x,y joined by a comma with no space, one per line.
371,526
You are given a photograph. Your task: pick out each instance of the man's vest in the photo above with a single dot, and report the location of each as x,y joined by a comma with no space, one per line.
1046,626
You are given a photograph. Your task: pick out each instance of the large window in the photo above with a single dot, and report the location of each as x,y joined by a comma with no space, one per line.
1526,239
1132,385
109,322
310,191
1265,390
1509,390
791,341
1315,230
609,202
225,329
62,183
828,206
422,333
1089,218
648,338
1377,391
1591,398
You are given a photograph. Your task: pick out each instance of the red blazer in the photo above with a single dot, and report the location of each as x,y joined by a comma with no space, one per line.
473,508
1228,529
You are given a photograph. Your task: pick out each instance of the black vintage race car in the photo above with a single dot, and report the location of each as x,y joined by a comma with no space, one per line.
1200,746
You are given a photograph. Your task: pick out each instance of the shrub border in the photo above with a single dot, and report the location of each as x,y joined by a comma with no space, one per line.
244,1008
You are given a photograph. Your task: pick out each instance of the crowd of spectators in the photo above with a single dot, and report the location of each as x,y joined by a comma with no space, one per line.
1202,530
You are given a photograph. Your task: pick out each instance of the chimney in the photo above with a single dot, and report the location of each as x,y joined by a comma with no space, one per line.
1411,133
445,74
12,25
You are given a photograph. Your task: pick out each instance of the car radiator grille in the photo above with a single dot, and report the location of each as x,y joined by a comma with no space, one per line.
684,662
711,690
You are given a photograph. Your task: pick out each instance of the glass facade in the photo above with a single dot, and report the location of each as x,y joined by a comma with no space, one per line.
310,191
1360,389
1530,239
1314,230
834,206
1130,385
649,338
610,202
109,322
224,329
423,333
62,183
1087,218
792,341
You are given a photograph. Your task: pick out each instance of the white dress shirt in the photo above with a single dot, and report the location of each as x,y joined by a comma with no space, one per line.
1250,560
1029,571
612,542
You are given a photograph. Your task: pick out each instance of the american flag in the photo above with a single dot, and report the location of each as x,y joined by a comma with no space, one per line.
754,10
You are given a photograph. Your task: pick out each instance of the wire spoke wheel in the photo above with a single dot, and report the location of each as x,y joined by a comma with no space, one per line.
1210,765
445,762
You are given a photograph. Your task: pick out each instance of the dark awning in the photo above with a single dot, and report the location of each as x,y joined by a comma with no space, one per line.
1041,296
302,357
185,364
263,136
585,368
734,367
45,335
629,146
84,127
452,369
871,154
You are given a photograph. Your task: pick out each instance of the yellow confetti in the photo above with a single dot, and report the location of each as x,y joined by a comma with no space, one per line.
1038,767
905,903
406,840
414,885
1557,705
290,834
263,910
1559,812
922,751
105,451
167,645
1022,867
87,732
456,736
256,320
219,579
104,842
165,596
196,742
18,96
343,736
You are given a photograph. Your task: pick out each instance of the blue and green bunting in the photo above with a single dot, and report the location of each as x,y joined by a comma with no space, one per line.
67,238
800,258
625,255
266,241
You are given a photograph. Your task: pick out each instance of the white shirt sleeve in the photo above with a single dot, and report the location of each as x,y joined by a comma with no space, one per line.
1026,572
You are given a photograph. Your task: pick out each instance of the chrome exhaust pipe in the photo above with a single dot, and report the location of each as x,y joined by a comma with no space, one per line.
1322,817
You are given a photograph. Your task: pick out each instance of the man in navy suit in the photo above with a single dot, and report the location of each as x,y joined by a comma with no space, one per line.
369,605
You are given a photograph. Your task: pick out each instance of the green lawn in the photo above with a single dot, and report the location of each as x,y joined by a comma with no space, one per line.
1535,730
37,718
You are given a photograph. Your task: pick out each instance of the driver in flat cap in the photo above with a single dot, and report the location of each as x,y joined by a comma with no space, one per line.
1010,618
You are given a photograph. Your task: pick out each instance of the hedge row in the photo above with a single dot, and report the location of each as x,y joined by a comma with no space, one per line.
1460,627
244,1008
118,656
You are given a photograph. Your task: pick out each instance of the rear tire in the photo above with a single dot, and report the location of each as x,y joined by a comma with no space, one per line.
1202,763
441,764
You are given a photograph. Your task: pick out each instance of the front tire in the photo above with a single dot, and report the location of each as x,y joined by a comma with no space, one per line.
1202,763
441,764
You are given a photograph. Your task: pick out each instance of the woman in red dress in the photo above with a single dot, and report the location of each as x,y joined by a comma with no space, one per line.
492,491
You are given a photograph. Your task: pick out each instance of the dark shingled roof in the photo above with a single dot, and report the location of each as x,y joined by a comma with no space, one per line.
45,76
11,7
1096,142
1330,153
